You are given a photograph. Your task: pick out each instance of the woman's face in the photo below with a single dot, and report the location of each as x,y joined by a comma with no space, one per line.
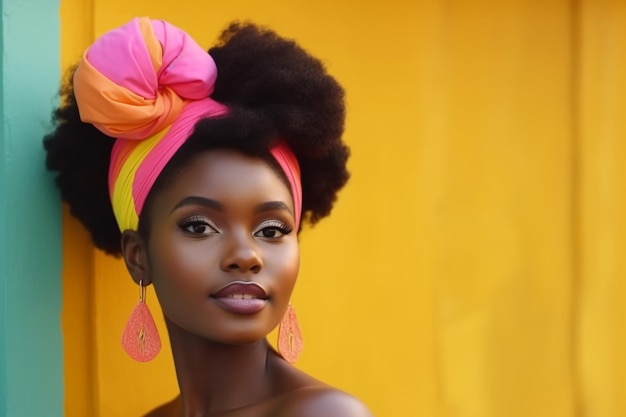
223,249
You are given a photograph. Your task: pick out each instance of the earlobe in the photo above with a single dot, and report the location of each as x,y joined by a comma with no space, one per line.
136,257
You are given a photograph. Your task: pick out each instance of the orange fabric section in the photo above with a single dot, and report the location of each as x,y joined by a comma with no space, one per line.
152,43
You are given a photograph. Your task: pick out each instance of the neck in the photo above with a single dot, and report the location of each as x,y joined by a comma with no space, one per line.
216,377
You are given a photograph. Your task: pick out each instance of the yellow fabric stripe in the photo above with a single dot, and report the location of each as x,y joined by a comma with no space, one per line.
122,197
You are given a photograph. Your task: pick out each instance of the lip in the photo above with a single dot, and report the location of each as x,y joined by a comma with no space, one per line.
241,297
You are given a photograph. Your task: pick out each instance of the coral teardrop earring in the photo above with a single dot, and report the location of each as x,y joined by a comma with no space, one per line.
289,336
140,338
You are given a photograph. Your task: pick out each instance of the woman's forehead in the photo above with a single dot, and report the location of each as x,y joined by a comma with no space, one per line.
228,174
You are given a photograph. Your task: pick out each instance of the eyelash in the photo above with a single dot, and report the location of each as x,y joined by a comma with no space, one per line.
195,221
278,225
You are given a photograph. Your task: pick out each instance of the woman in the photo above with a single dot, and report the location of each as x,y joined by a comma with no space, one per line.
197,169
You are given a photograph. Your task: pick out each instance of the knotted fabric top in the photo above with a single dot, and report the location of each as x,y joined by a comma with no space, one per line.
148,83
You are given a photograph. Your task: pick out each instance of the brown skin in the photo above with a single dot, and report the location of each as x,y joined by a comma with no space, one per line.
224,365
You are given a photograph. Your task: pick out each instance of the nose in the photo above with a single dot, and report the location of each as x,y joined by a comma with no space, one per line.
241,254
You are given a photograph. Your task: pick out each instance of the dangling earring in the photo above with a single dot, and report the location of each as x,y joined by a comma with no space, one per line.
289,336
141,338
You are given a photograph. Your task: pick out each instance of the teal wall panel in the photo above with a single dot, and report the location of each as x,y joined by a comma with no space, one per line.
31,355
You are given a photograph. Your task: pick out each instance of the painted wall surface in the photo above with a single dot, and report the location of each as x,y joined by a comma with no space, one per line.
31,355
472,266
600,334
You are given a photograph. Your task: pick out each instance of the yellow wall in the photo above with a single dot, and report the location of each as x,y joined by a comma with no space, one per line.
600,334
471,266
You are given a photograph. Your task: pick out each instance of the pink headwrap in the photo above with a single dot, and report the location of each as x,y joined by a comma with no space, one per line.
147,83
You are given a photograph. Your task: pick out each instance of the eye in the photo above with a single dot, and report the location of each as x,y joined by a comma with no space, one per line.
198,226
272,229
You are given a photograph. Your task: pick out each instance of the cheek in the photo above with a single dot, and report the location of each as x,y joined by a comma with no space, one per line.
284,265
182,264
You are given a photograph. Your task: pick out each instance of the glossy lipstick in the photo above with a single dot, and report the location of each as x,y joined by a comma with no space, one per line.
241,297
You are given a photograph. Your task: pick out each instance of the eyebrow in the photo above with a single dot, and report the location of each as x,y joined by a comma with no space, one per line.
199,201
216,205
273,205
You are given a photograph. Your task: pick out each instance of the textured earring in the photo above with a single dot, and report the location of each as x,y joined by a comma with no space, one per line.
140,338
289,336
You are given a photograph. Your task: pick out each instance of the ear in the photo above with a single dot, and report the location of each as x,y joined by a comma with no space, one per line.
135,253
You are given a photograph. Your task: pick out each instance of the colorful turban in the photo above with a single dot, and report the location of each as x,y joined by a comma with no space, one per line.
147,84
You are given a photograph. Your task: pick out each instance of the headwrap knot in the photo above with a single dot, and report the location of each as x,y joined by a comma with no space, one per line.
135,80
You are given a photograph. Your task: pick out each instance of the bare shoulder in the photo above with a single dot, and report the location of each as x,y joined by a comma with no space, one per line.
323,401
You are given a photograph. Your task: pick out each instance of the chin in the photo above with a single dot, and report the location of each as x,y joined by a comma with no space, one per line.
241,338
233,334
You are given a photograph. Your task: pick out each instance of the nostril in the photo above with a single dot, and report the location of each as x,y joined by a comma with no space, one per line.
237,267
